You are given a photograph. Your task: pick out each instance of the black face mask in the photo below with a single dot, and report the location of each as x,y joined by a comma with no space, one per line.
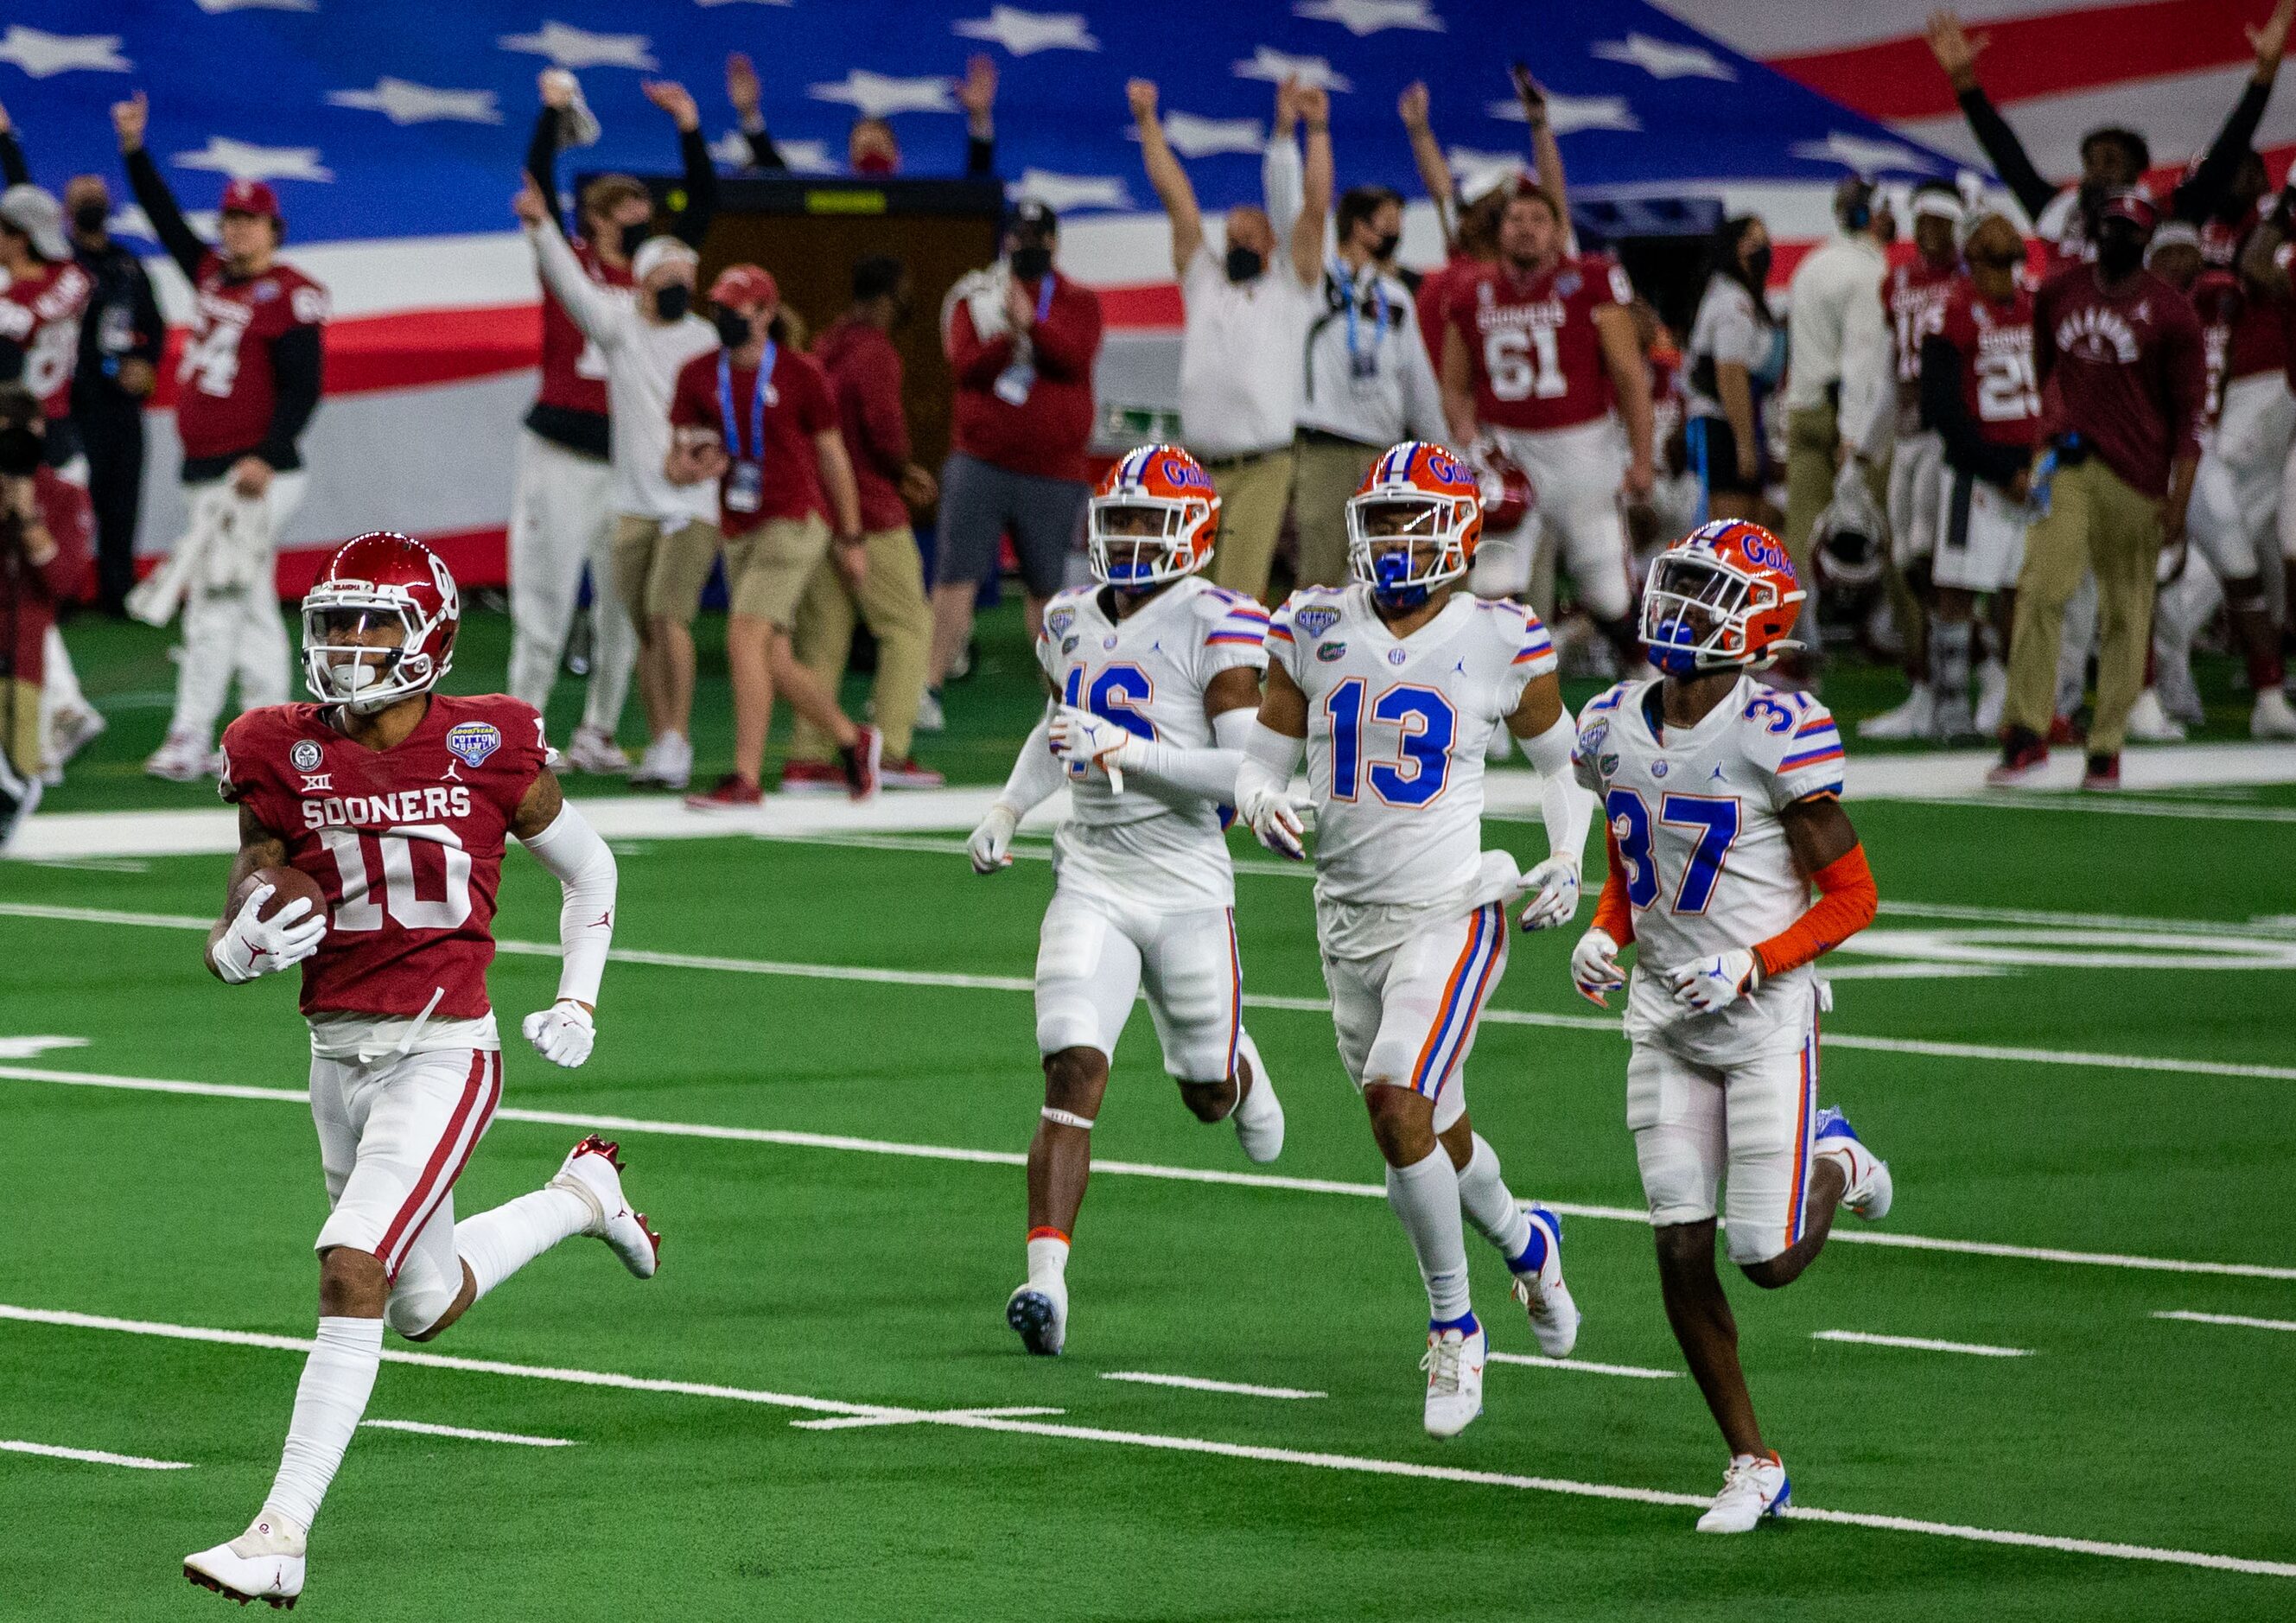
20,452
778,329
1243,264
1757,267
89,218
2119,253
673,301
1031,263
1385,247
732,330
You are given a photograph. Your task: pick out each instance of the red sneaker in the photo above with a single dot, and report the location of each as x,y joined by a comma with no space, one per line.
2023,757
812,778
728,793
2104,772
906,773
2064,731
862,758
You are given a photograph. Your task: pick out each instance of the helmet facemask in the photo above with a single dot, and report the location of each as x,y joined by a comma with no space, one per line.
1402,543
1696,608
1135,541
344,660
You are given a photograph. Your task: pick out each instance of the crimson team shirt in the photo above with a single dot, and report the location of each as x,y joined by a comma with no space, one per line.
406,843
1531,345
1994,341
798,406
225,389
41,315
1436,291
1914,295
2218,300
573,374
2126,370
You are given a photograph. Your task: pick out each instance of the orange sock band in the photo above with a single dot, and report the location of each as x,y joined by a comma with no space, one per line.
1846,903
1048,1234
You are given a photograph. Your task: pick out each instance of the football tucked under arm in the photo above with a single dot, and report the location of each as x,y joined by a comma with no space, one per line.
573,854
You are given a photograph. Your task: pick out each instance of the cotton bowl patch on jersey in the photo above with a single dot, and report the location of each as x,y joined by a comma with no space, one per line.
306,755
1314,622
471,741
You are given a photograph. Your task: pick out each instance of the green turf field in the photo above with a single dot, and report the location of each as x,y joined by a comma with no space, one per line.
831,1158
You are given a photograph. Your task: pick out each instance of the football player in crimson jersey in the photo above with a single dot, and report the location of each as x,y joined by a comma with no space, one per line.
1154,675
1391,688
1722,798
1541,356
40,309
397,799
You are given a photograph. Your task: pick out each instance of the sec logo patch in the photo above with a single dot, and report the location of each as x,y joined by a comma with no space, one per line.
471,741
305,755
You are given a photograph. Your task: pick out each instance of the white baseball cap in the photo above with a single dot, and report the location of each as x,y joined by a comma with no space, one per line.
40,217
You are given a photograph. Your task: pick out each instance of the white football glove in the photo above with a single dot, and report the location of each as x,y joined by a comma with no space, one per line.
254,946
1705,984
1274,815
991,845
1082,739
1556,882
563,1034
1595,967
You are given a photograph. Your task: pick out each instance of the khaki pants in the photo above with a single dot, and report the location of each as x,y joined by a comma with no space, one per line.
1329,472
660,575
2096,523
1812,439
767,570
19,724
1253,492
891,603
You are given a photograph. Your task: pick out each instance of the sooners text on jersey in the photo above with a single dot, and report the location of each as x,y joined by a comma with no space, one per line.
1999,389
41,315
1914,295
225,389
406,843
1531,344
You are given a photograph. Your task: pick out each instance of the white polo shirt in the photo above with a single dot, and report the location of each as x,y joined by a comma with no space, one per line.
1240,354
1368,380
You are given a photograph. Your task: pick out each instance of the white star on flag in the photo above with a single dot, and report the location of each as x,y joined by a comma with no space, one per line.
1662,60
1024,33
1471,170
133,222
1862,153
214,6
1274,66
1195,136
41,55
1569,114
1062,192
803,157
571,48
876,95
403,102
245,161
1362,17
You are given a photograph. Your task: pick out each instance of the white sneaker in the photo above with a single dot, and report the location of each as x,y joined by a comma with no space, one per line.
183,758
930,718
1751,1489
667,763
263,1563
1039,1312
1454,1363
1554,1315
1258,1115
1915,719
2273,717
2172,679
592,1170
70,732
2149,724
1992,696
1867,1187
591,751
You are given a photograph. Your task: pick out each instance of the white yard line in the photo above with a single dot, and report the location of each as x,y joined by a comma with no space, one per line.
1197,1383
2156,1064
846,1422
2228,1318
977,1420
470,1434
93,1456
791,1139
1585,1367
1975,1349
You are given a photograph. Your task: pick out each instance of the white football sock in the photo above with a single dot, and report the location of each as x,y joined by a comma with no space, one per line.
1048,1261
1255,1104
1425,1197
495,1244
1484,1197
329,1400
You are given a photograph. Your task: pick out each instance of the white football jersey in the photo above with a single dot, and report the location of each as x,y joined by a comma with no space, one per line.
1396,733
1694,814
1147,673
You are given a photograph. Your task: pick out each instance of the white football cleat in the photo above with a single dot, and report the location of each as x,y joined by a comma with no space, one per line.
2149,723
1992,696
1554,1315
591,751
263,1563
592,1171
2274,717
667,763
930,716
1751,1489
1915,719
1039,1313
71,731
1866,1189
1454,1363
183,758
1258,1115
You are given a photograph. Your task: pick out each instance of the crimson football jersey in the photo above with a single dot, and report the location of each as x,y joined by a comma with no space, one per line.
406,843
1995,339
2217,301
41,315
1915,294
1531,344
573,372
225,389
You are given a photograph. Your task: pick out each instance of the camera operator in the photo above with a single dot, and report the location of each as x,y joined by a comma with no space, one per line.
45,522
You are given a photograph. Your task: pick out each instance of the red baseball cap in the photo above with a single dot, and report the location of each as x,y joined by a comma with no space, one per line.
744,284
2135,207
254,197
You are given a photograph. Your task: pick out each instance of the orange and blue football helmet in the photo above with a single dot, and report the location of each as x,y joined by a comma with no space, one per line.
1724,596
1152,519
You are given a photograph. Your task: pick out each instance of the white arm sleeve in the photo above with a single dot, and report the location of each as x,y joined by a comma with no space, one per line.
1282,184
1563,807
1209,774
1037,775
1269,759
569,848
562,273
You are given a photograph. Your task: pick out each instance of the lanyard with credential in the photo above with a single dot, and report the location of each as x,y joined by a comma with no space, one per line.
756,402
1360,363
1013,383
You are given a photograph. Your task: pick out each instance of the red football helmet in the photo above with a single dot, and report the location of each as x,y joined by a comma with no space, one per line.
378,579
1152,519
1508,494
1724,595
1416,493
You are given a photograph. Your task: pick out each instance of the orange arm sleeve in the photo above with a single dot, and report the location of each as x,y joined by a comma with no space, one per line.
1612,915
1845,906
